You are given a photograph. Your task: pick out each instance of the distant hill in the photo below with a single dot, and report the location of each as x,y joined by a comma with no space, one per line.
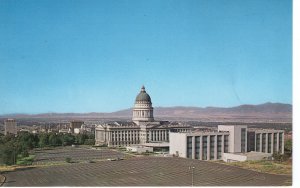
272,111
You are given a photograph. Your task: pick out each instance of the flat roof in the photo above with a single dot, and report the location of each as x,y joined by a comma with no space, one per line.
157,144
196,133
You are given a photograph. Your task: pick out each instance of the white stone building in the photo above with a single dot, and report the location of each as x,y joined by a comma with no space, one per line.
142,129
199,145
233,140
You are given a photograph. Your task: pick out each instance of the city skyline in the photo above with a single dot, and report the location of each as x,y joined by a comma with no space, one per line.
73,56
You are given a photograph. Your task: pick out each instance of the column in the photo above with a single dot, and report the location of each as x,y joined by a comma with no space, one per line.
128,140
108,138
267,140
156,139
111,136
215,148
254,141
193,147
272,143
277,148
201,147
282,148
246,140
208,147
260,142
128,136
159,135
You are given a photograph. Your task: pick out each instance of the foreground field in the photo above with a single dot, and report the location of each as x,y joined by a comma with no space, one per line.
271,167
142,171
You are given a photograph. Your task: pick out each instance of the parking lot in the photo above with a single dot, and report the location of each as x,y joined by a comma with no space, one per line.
77,154
143,171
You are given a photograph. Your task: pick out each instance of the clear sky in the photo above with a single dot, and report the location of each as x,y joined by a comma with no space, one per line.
94,56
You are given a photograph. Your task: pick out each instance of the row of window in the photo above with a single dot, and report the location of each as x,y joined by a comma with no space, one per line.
212,143
264,137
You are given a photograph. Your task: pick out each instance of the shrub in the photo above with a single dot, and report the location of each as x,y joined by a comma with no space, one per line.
68,159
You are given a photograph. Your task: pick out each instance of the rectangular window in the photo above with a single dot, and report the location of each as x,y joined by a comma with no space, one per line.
280,142
275,143
269,142
189,147
204,148
263,149
197,147
212,147
226,143
257,142
219,147
243,140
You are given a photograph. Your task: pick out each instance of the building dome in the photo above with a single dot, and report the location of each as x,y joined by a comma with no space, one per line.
143,96
142,110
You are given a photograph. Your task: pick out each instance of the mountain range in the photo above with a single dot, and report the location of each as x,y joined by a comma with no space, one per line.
270,111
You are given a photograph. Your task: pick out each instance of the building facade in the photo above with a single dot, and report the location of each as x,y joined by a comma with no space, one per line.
10,126
199,145
142,129
266,140
233,139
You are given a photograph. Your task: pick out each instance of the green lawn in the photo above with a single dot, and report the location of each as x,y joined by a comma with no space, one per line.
271,167
25,160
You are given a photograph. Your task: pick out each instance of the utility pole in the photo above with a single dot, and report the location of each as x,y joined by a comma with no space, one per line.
192,168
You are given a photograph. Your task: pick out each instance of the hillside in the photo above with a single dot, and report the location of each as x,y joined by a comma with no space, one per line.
269,111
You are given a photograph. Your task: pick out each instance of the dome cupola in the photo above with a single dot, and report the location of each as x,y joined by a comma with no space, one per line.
142,110
143,96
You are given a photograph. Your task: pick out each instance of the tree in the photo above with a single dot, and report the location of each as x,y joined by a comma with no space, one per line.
80,138
68,139
89,142
43,140
28,140
8,153
288,147
277,156
54,140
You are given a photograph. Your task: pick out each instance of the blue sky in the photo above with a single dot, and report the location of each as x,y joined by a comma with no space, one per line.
93,56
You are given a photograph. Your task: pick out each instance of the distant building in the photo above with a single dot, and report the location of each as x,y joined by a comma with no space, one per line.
139,149
10,126
142,129
235,140
75,124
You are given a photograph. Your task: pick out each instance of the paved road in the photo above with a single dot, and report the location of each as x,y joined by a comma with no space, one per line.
143,171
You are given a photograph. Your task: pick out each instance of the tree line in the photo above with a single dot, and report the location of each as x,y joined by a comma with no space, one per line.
12,146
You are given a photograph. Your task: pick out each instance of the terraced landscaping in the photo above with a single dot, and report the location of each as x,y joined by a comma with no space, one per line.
137,171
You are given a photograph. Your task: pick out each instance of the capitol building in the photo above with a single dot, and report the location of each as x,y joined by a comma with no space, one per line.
227,142
142,129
